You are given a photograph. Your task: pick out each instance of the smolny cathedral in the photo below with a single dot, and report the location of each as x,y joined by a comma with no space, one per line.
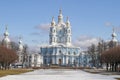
60,50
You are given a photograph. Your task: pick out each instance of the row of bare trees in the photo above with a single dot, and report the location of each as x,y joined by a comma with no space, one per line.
105,53
95,51
111,58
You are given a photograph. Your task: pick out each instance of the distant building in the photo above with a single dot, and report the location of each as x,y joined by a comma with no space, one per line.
24,59
28,59
6,41
36,60
99,49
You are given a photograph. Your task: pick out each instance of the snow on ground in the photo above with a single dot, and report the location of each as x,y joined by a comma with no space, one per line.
58,74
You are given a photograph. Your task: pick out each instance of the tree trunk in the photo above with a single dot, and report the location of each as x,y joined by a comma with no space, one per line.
107,66
116,66
112,67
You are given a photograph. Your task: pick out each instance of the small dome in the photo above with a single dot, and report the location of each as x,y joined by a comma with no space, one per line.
53,22
60,14
20,42
114,40
20,47
61,25
114,34
6,40
6,34
67,22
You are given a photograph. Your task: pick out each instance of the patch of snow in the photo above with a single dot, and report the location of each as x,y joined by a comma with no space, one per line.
58,74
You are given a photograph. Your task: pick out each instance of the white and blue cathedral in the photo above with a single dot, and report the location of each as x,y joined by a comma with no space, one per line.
60,50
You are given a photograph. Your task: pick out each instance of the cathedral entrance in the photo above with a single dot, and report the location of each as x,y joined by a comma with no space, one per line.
60,62
50,61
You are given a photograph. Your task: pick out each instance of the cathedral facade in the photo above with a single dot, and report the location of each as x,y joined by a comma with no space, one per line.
60,50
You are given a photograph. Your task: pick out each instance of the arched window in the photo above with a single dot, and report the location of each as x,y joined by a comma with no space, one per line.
45,61
54,39
53,30
50,29
50,39
68,61
69,31
50,61
59,51
60,31
74,53
69,53
74,62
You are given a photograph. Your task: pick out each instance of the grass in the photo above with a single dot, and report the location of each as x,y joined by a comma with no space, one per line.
13,72
118,78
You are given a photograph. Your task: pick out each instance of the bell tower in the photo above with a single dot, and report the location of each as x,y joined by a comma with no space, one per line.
68,32
52,36
60,17
60,33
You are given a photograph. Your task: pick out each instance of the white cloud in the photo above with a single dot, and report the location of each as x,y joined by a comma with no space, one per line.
85,41
108,24
43,27
36,33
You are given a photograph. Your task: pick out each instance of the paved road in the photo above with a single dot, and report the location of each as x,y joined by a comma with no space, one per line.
58,74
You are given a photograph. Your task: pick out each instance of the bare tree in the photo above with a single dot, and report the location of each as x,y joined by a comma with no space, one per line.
92,54
111,58
25,53
102,46
7,57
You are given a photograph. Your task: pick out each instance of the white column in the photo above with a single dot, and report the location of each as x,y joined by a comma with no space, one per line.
63,60
66,59
57,60
53,60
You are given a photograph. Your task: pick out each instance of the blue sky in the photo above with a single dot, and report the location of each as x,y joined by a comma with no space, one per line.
88,18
